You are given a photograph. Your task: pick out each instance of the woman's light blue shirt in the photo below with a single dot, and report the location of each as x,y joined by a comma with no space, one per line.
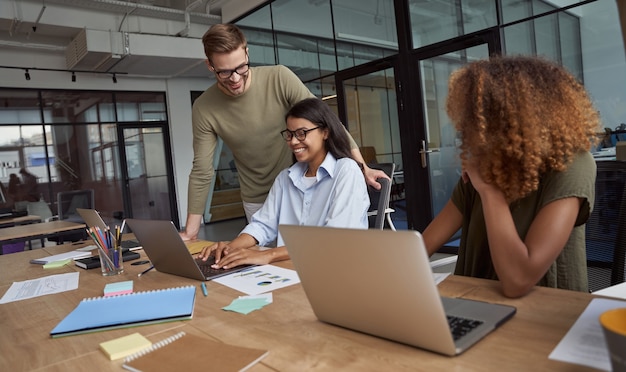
338,199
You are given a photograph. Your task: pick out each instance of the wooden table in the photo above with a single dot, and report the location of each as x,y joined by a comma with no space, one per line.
22,220
296,340
37,231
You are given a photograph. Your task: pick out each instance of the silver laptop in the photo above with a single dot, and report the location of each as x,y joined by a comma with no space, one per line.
169,254
380,282
92,218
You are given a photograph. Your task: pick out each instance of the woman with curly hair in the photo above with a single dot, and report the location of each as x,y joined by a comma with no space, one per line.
528,181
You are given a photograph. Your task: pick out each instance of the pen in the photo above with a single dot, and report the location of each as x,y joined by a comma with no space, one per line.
145,271
204,291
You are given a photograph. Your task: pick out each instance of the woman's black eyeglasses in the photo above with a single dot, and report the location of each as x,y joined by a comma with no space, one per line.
299,133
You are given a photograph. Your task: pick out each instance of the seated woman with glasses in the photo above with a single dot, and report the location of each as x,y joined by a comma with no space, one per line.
325,187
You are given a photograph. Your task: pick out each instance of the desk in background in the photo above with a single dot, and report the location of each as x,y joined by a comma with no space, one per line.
296,340
35,231
16,221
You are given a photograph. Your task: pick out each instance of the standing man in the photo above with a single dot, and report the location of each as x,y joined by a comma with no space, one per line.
246,108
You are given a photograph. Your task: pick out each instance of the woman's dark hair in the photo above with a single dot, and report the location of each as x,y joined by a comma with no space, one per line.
318,112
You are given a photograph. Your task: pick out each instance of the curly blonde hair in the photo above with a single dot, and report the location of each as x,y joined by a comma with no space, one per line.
518,118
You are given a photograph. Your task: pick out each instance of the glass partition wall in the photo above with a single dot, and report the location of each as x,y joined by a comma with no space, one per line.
53,141
351,53
325,41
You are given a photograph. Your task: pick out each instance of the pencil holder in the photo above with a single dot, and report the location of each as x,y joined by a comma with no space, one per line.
111,261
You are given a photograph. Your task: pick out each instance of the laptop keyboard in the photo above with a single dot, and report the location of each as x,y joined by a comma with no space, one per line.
461,326
205,267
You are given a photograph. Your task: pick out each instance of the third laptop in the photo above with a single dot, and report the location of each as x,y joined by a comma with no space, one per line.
169,254
92,219
380,282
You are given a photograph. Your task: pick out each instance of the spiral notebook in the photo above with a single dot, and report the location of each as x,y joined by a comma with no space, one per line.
128,310
190,353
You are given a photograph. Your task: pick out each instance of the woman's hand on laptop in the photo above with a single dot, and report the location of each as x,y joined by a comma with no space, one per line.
221,249
215,249
249,256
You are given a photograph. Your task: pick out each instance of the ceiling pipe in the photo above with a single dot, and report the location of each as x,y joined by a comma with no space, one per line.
43,8
185,31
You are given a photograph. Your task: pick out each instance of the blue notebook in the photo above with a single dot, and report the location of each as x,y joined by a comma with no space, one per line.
128,310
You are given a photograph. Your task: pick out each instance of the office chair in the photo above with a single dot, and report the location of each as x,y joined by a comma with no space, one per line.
388,168
42,209
605,232
379,201
67,202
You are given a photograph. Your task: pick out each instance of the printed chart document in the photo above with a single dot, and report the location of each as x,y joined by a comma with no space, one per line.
259,279
584,343
40,287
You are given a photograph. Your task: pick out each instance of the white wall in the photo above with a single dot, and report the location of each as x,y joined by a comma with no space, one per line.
178,92
178,95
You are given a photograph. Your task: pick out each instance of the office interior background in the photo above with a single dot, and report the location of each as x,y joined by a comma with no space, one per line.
97,94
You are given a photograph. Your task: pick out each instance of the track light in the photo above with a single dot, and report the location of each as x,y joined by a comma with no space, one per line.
28,77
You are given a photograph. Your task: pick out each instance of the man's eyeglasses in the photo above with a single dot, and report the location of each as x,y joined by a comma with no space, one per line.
240,70
300,134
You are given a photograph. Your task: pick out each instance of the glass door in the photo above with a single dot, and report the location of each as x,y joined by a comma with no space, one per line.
369,103
438,148
148,172
431,162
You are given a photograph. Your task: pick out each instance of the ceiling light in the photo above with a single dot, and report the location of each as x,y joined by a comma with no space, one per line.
27,75
73,77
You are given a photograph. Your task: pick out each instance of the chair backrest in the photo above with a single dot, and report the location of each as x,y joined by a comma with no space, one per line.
21,205
388,168
39,208
605,233
619,253
68,201
379,202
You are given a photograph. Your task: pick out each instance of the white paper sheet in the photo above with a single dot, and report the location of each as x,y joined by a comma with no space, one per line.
259,279
584,343
617,291
75,254
40,287
439,277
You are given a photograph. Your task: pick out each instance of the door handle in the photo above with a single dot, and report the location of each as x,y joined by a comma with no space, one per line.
423,151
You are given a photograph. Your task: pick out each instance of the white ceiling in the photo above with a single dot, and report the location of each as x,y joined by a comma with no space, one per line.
164,34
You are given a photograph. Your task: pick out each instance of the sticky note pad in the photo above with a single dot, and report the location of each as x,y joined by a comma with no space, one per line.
113,289
247,304
124,346
57,264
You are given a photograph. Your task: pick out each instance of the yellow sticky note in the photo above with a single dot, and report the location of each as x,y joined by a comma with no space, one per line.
124,346
57,264
195,246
